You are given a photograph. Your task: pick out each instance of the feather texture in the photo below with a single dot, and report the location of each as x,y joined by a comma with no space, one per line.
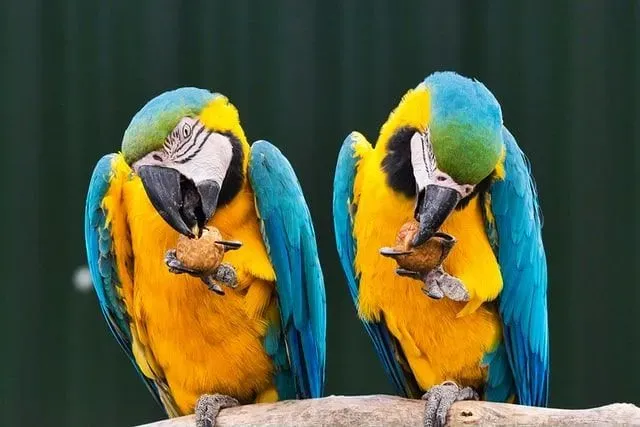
104,274
290,239
343,210
523,301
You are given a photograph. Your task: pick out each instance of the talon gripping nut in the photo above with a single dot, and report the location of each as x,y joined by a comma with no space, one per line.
206,253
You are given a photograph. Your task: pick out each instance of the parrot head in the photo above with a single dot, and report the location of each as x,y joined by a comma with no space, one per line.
450,148
189,151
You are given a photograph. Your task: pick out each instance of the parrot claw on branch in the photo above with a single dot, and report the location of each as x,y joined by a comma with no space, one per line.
439,399
209,406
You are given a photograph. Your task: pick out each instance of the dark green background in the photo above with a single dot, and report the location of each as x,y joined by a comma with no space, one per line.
304,74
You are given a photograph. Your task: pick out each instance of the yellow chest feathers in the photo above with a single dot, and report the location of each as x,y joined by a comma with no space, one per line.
199,341
441,339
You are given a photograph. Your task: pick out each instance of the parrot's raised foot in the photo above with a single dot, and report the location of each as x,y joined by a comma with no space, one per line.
209,406
225,274
176,266
439,400
438,284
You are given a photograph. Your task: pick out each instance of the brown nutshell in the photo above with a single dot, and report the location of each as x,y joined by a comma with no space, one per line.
423,258
202,254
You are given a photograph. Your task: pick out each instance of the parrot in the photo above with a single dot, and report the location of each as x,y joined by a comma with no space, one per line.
185,165
445,160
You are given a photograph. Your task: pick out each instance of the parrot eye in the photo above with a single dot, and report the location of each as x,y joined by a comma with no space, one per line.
186,131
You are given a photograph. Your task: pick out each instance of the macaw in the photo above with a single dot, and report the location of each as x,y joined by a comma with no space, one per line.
184,165
445,159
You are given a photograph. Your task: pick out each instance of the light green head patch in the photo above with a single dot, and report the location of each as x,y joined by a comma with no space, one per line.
466,127
151,125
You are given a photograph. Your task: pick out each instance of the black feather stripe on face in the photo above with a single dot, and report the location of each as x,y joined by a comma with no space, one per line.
234,179
397,162
188,144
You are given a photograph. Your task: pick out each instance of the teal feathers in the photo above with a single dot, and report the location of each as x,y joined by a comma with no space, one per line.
386,347
290,239
103,269
465,126
151,125
523,301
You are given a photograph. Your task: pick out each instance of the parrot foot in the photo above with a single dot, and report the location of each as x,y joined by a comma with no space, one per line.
439,400
224,274
209,406
176,266
438,284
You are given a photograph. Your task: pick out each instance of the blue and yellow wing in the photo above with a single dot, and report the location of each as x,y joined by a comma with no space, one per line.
105,276
344,208
523,301
298,344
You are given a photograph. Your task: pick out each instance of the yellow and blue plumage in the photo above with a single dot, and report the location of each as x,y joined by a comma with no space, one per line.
478,188
261,342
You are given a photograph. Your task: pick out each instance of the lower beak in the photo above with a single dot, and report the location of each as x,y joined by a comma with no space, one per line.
435,204
185,206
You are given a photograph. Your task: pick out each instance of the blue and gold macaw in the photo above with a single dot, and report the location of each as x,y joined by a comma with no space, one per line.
444,158
185,164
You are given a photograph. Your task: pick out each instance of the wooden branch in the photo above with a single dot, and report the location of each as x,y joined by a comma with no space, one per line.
377,410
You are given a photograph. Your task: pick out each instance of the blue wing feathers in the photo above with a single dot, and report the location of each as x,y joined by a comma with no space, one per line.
290,239
383,343
101,261
522,303
499,385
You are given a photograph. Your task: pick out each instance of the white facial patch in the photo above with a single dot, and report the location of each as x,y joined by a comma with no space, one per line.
425,168
193,150
422,159
201,154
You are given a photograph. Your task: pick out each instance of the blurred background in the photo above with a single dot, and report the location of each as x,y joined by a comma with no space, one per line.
303,74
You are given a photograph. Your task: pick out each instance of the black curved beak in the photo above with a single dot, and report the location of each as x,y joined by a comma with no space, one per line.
184,205
435,204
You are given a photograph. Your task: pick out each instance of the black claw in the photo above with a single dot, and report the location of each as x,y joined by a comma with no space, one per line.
175,266
230,245
433,291
403,272
212,285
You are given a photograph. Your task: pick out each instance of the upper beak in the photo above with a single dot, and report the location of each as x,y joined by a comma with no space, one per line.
184,205
435,204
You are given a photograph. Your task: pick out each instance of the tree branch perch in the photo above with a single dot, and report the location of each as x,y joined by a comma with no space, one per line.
390,410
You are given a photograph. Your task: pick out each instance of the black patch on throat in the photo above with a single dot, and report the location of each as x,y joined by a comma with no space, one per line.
233,180
397,162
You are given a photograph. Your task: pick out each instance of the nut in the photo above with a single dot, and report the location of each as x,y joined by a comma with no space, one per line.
422,258
202,254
